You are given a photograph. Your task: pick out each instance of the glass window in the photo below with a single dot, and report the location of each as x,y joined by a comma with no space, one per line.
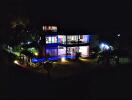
72,50
62,39
83,39
48,40
51,39
51,51
84,50
61,51
72,39
54,39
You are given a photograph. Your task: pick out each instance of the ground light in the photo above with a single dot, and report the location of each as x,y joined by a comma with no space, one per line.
63,59
55,62
83,59
36,54
16,62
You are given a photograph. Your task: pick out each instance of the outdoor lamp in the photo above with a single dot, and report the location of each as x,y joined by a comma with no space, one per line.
63,59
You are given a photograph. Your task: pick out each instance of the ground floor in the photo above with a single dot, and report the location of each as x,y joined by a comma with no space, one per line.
67,51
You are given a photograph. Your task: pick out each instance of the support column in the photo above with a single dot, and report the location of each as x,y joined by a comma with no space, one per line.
66,45
57,44
78,43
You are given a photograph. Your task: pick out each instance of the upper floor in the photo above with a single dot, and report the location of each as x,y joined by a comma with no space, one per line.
67,39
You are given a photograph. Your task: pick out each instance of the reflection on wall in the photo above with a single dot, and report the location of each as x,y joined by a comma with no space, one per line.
84,50
62,39
61,51
51,39
72,39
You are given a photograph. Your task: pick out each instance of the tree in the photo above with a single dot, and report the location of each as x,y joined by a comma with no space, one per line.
19,31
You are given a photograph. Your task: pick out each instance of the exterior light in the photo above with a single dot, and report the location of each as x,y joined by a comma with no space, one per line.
16,62
118,35
82,59
36,54
104,46
63,59
107,47
28,42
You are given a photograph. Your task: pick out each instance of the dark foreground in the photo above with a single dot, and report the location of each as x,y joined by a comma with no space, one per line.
100,83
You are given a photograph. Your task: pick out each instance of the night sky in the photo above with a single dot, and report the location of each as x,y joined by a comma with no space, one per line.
99,15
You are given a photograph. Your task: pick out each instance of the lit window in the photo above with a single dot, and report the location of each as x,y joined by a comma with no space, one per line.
51,39
83,38
61,39
72,39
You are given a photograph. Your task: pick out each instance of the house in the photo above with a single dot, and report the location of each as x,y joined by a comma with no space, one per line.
61,44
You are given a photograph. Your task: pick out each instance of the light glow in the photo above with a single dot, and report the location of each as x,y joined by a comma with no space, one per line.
16,62
118,35
104,47
84,60
36,54
63,59
50,28
28,42
84,50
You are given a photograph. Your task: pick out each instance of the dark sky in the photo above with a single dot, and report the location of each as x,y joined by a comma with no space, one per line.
94,15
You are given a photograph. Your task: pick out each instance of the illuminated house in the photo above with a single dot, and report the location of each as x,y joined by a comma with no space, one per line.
59,45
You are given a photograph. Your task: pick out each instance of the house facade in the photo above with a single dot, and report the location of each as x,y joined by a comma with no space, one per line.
61,44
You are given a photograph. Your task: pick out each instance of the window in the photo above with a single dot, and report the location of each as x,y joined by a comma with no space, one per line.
72,50
83,39
51,39
84,50
62,39
61,51
51,51
72,39
48,40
